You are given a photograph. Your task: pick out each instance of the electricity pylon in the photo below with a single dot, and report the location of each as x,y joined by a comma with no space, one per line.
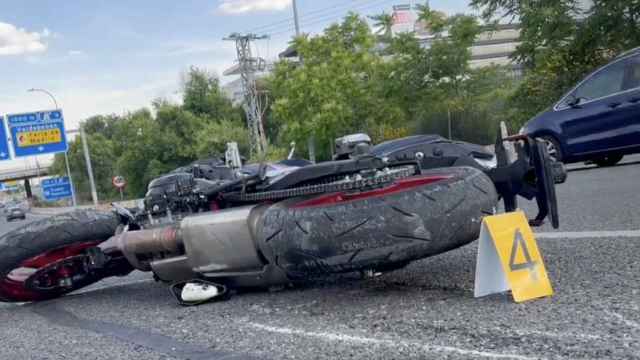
248,66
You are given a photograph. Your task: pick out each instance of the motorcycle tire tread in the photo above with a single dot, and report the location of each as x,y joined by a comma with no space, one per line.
382,233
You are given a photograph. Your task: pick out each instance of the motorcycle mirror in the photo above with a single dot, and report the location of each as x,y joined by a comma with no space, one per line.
196,292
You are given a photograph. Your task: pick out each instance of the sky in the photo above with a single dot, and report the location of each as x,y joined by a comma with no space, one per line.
110,57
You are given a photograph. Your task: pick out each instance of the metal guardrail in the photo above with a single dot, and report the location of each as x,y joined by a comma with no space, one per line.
102,207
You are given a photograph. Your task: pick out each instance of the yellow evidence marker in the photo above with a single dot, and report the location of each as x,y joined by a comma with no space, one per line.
509,259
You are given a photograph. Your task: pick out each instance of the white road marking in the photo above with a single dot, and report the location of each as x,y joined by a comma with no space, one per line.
551,334
588,234
338,337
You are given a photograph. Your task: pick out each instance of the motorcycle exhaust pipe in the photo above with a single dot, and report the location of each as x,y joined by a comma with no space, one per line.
142,247
213,244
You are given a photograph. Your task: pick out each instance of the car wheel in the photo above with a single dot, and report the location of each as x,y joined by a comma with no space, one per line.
553,148
608,160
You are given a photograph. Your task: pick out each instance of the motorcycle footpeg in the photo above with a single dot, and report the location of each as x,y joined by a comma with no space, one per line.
197,292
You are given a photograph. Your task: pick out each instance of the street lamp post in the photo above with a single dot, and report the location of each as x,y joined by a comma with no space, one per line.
311,143
87,158
66,156
295,17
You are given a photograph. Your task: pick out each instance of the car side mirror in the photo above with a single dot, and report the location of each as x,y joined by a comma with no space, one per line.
574,101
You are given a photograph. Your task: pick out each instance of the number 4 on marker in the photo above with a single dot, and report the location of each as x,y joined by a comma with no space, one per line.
528,264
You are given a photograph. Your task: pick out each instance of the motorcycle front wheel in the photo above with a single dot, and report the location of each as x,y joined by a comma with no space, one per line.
43,260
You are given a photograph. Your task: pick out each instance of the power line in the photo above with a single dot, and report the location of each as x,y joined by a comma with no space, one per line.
328,17
319,14
290,20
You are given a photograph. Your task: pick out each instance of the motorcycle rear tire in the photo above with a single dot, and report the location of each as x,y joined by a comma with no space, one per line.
381,232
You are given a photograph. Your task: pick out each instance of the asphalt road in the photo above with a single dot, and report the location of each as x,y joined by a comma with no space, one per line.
8,226
426,310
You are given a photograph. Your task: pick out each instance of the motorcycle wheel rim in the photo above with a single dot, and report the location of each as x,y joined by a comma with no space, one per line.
14,284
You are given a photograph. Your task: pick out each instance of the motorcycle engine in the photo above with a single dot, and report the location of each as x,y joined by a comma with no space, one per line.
173,192
180,193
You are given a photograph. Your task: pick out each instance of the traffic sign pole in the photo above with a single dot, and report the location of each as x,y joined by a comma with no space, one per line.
73,191
87,158
4,142
119,182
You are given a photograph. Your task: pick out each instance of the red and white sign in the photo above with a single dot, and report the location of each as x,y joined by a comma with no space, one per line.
119,182
403,17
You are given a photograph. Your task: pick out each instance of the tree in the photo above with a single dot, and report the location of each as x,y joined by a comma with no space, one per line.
203,97
103,160
434,20
338,90
561,41
143,145
345,85
384,23
439,83
213,138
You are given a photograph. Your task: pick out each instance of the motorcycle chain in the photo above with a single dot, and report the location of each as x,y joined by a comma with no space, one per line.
348,184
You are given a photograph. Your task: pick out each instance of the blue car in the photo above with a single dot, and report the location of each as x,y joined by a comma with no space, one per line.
599,119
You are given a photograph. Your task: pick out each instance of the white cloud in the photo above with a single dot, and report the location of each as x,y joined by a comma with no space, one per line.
16,41
246,6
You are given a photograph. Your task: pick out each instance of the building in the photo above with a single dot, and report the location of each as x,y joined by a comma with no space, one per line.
492,47
495,47
233,90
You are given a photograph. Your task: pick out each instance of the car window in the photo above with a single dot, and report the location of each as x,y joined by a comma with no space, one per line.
631,73
605,82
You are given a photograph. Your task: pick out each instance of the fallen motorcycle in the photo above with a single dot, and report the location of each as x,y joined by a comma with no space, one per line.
216,225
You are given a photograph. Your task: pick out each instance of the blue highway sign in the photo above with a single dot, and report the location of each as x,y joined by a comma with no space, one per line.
9,186
4,142
37,133
56,188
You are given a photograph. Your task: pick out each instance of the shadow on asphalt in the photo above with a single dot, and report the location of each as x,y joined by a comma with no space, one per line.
58,315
